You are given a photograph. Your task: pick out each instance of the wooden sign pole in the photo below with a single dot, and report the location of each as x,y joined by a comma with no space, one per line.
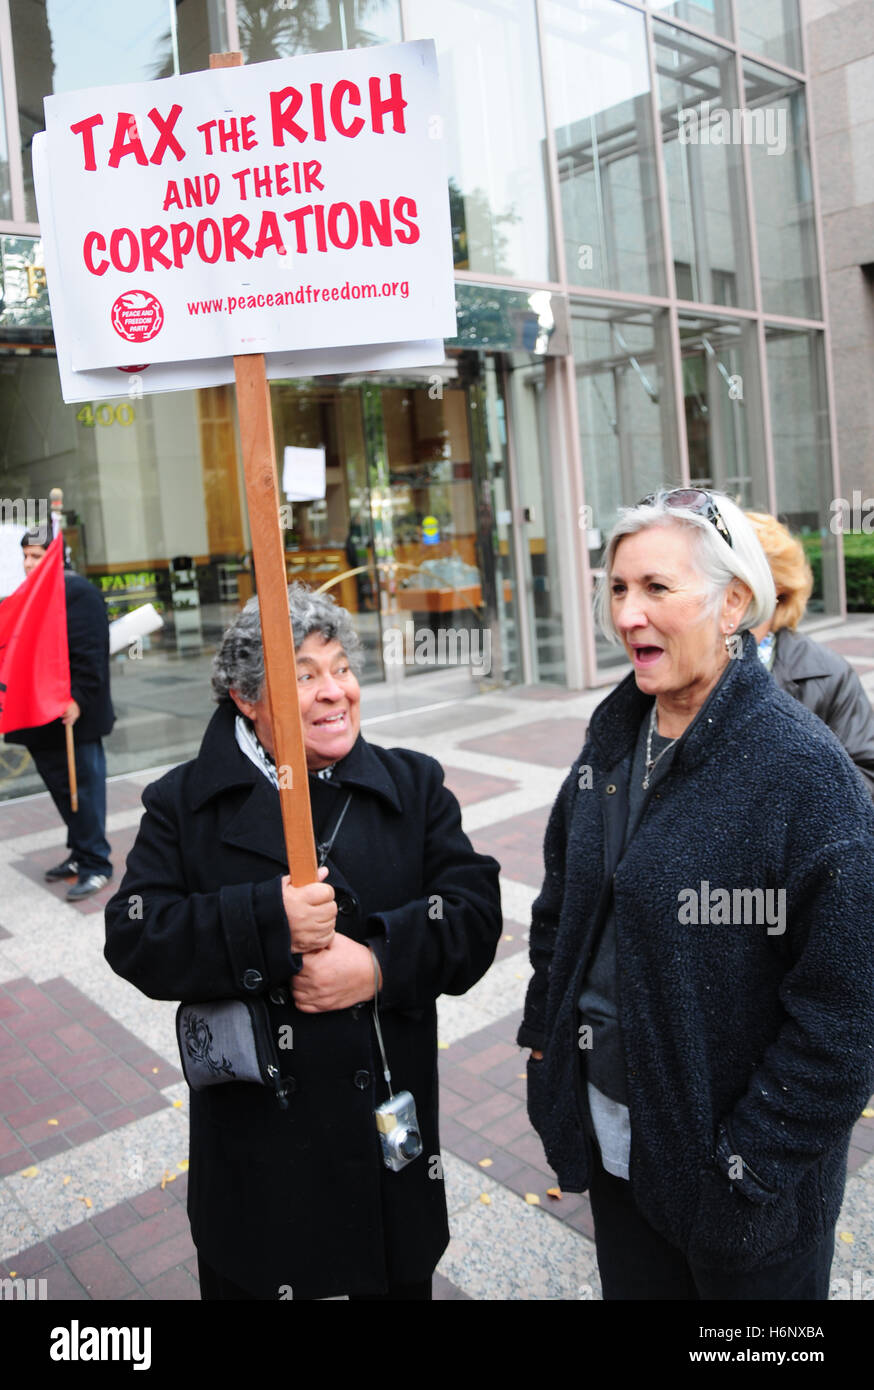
262,497
71,769
68,728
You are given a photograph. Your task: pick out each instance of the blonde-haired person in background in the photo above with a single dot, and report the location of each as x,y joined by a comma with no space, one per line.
814,674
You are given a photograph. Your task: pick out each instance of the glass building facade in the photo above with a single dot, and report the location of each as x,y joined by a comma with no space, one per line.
639,291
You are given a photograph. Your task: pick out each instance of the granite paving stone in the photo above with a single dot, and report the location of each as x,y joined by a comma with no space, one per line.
528,1148
477,1148
64,1287
100,1273
509,1127
484,1112
45,1148
450,1102
519,842
582,1219
480,1063
39,1083
176,1284
471,787
75,1238
158,1259
116,1219
153,1231
528,1179
466,1083
548,742
31,1262
153,1201
13,1161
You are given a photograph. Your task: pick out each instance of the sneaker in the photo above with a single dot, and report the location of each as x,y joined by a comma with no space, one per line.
69,869
88,884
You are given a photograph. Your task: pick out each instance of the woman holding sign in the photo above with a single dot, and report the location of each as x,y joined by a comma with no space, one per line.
312,1177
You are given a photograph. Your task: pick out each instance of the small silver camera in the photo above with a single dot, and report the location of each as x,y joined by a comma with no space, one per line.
398,1131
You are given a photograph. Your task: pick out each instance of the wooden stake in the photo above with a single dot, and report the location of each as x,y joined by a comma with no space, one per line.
262,497
71,769
57,495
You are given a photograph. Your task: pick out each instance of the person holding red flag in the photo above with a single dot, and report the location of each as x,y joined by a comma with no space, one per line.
54,672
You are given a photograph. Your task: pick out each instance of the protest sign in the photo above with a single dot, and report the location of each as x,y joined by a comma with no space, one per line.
11,563
294,204
303,474
146,379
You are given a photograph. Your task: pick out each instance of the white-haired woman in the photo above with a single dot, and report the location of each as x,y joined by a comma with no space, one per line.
702,1005
290,1195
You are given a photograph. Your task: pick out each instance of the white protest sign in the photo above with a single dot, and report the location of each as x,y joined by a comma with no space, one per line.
294,204
108,383
11,560
139,622
303,474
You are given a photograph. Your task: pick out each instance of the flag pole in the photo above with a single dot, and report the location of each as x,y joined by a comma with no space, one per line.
56,498
262,498
71,769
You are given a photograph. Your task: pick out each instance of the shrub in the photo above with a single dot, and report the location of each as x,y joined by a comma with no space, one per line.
858,569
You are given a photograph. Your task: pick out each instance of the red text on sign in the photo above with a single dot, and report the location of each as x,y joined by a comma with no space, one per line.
229,135
287,104
193,192
264,185
340,224
127,138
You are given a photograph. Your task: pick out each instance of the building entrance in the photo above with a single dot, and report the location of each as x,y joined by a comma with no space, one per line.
397,537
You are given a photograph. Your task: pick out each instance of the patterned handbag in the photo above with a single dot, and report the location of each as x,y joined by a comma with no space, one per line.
229,1040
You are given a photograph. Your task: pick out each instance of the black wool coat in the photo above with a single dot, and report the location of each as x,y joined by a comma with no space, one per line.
740,1042
88,644
300,1198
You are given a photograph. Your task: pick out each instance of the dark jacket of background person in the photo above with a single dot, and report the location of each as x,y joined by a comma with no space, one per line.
88,643
829,686
301,1197
736,1041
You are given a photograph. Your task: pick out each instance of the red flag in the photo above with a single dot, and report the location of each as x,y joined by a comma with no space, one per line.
34,657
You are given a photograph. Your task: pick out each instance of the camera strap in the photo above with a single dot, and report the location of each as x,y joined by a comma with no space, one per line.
326,846
385,1071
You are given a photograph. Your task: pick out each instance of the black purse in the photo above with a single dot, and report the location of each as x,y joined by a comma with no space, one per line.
229,1040
226,1040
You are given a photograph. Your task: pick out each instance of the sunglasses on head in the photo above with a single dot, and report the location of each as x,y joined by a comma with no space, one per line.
690,499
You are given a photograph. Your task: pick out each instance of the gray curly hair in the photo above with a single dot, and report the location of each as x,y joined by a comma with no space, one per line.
239,662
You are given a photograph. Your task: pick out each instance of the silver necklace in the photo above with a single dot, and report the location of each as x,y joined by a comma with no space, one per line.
651,762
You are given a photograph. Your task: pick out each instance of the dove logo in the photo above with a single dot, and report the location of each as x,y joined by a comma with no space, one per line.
137,316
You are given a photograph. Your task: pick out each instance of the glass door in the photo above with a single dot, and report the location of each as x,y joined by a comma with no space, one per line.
397,537
527,394
528,592
330,540
425,519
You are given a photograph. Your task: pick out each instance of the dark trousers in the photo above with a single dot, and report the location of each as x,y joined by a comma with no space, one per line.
635,1262
86,829
214,1286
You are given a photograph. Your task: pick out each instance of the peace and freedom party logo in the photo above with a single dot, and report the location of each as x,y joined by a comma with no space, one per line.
137,316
